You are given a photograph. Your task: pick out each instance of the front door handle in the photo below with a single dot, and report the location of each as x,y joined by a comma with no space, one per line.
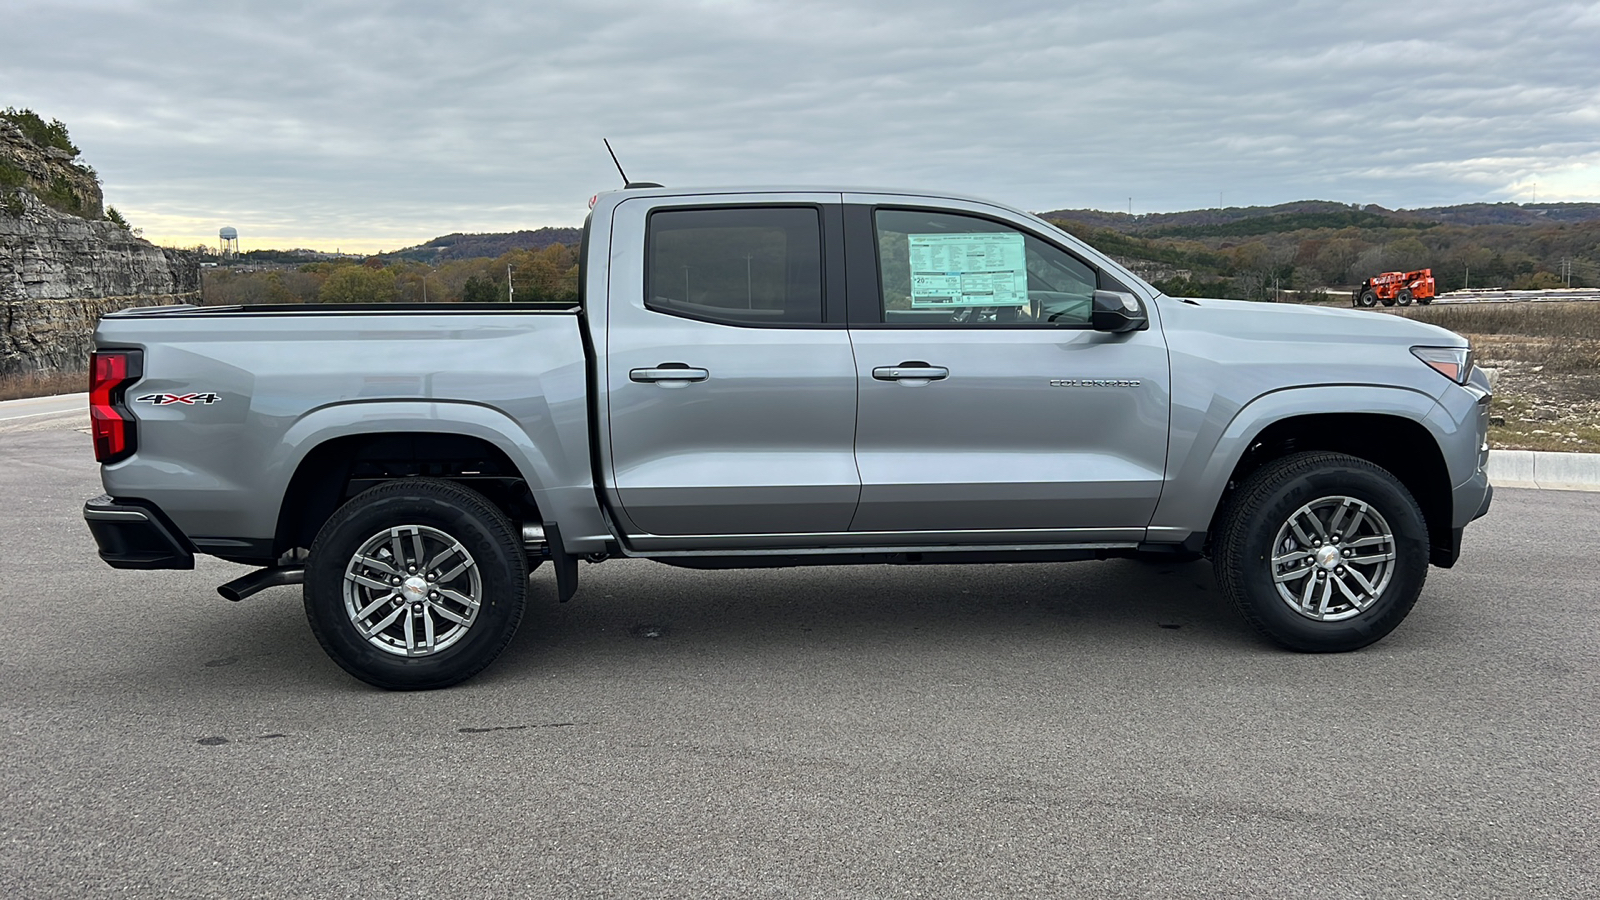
668,372
915,370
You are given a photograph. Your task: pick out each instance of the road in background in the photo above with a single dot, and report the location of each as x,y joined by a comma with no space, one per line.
33,407
1088,729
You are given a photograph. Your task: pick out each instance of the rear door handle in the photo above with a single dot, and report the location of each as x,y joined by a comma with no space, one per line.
668,372
915,370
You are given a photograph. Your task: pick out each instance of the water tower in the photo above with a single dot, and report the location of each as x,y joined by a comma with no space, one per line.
230,240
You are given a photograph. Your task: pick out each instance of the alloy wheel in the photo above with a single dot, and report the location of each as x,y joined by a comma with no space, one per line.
1333,558
412,590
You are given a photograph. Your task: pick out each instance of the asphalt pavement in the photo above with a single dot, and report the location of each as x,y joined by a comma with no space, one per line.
34,407
1087,729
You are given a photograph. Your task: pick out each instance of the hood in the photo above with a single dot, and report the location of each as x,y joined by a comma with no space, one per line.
1292,321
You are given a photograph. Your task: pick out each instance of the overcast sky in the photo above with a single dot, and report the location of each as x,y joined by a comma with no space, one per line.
376,125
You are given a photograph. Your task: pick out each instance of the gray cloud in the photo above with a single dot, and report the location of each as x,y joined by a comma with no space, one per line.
387,123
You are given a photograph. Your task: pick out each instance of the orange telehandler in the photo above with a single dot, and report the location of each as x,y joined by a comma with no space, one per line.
1396,287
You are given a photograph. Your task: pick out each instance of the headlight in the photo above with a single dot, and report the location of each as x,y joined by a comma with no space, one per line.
1454,363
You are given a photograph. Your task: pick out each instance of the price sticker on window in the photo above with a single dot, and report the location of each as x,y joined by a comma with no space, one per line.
968,270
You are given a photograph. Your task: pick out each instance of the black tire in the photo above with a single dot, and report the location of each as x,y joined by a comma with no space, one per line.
1257,525
1404,297
1368,299
1424,301
484,564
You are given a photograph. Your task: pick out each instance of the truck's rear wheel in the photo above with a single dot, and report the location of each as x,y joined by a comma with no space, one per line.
415,584
1322,552
1404,297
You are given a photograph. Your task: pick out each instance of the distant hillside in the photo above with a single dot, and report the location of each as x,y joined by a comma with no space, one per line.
1306,248
1197,224
1231,216
472,246
1309,214
1511,213
1311,246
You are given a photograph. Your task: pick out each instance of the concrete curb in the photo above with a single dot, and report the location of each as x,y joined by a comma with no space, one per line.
1544,470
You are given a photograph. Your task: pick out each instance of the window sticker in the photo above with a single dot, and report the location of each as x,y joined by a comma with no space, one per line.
956,270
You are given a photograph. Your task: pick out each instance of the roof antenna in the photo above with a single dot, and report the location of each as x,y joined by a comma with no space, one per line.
625,182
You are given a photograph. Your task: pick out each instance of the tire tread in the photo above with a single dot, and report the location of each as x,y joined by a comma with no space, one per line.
466,500
1246,505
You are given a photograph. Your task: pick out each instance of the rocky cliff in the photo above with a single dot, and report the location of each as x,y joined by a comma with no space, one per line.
59,272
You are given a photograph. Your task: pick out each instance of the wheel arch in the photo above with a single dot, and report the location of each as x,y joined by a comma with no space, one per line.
1402,446
323,453
339,468
1388,426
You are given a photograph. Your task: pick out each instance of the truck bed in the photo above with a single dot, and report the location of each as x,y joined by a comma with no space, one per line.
235,395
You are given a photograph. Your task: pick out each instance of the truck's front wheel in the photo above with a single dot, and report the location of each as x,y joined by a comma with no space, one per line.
1322,552
415,584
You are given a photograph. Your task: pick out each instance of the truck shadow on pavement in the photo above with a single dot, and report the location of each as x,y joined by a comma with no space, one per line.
632,616
625,608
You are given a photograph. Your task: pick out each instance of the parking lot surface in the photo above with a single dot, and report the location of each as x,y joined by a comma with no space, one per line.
1089,729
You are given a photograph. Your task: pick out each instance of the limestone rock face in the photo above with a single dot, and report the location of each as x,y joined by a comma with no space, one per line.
59,273
43,166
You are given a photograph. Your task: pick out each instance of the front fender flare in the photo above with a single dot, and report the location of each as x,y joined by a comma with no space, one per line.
1195,484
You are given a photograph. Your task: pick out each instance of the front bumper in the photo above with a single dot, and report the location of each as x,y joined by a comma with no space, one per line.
134,534
1471,502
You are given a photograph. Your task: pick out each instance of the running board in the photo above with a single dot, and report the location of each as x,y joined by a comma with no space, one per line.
776,559
952,550
260,580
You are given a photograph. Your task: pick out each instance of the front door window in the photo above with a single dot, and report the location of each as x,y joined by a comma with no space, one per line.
941,269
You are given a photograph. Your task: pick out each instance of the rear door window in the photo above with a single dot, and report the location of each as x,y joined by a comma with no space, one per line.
740,266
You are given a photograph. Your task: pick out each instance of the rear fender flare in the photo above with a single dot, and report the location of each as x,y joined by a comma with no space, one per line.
556,501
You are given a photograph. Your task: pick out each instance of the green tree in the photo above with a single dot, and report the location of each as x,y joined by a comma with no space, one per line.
1335,257
11,177
479,290
1408,254
277,291
61,196
115,217
1466,265
358,284
1538,281
51,134
551,274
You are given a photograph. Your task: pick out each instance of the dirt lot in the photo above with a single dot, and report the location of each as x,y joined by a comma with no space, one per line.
1547,392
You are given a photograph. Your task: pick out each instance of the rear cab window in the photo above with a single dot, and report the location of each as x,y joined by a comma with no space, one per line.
738,266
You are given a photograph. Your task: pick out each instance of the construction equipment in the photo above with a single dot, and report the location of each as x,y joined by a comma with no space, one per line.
1396,287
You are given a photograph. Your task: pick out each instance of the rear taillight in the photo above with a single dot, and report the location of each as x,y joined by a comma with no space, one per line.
110,373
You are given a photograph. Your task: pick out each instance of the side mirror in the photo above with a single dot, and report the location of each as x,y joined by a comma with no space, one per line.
1116,312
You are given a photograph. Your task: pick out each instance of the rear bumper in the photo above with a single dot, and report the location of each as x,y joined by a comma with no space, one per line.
134,534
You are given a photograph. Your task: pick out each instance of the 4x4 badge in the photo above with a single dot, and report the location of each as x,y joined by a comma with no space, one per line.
185,399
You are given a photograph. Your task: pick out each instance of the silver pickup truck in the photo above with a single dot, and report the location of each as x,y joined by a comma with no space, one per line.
780,378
